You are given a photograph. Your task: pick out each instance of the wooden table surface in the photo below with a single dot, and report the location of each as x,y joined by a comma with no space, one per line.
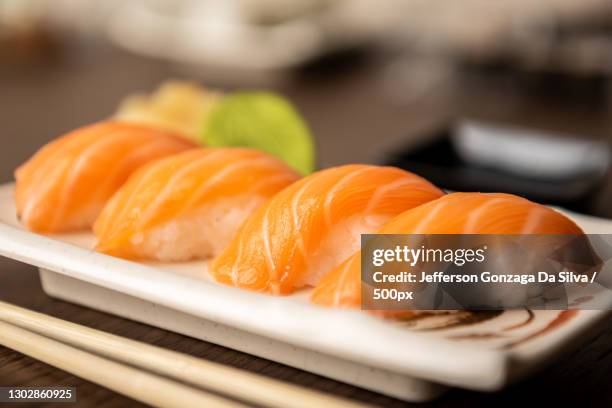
354,121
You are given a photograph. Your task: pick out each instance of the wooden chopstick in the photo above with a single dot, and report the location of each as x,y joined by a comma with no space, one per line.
222,379
139,385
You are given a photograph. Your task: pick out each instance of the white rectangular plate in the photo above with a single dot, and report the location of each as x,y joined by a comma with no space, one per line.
413,360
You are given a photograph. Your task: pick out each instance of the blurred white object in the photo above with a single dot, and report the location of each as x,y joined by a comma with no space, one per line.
530,153
235,34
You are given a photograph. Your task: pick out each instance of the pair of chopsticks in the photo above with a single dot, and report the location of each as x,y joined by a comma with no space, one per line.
146,373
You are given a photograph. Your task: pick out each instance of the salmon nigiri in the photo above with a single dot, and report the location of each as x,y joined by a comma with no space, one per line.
313,225
64,186
189,205
457,213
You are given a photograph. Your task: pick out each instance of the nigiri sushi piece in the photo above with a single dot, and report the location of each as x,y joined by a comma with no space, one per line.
190,205
64,186
456,213
313,225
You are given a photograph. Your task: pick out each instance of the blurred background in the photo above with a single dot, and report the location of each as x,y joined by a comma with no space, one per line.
473,94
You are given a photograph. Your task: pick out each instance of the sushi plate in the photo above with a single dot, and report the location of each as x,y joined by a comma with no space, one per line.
415,359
